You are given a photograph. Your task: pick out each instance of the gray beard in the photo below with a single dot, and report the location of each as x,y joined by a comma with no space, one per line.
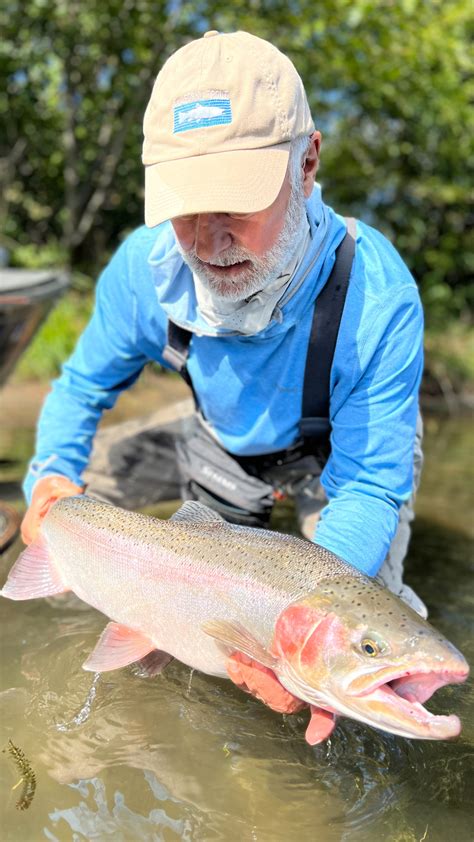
263,270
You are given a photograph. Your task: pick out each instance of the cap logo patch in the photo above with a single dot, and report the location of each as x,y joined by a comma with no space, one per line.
201,114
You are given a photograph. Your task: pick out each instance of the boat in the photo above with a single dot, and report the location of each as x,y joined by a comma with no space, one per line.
26,297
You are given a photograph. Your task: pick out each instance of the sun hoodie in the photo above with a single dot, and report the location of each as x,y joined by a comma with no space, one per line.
250,387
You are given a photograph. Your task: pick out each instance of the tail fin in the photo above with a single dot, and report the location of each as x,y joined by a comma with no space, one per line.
33,575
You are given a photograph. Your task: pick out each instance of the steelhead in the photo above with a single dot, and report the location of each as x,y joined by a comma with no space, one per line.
197,589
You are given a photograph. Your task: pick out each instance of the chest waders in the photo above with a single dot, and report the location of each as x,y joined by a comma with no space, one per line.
243,489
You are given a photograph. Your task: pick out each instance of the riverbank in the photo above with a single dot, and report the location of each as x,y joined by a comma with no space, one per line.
447,387
22,399
448,379
447,501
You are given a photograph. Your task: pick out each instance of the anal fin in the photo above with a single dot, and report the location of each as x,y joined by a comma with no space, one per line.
153,663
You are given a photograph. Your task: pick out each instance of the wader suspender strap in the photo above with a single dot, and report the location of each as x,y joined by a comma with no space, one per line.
314,424
327,316
176,352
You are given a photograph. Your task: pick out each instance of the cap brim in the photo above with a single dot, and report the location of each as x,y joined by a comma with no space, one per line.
242,181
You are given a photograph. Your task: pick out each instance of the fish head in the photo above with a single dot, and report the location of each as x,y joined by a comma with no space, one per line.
356,649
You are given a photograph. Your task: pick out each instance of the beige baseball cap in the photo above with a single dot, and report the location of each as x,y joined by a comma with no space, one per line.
218,127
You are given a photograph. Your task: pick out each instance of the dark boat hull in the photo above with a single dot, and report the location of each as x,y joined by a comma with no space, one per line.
26,297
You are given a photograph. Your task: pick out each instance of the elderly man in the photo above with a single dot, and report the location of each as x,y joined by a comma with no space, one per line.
244,279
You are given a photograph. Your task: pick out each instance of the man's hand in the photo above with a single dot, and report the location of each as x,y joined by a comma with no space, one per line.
261,682
45,493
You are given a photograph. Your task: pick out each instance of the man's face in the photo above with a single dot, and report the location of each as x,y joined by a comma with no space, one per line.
237,255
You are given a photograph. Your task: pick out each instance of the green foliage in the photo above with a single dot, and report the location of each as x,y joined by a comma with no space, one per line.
393,98
56,338
388,83
77,79
449,365
34,256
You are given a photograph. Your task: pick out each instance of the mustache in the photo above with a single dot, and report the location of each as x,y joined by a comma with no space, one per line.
231,256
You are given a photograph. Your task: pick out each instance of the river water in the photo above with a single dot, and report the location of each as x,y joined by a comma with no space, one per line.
187,757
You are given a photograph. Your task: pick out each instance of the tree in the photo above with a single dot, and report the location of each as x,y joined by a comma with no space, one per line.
387,81
78,77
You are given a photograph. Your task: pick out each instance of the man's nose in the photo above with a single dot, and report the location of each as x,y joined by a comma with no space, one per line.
211,235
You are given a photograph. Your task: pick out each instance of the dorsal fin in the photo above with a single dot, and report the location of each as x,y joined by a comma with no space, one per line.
197,512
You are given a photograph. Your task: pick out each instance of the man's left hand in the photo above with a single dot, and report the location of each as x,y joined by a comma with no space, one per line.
261,682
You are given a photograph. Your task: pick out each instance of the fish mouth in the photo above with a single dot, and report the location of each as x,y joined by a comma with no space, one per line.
395,699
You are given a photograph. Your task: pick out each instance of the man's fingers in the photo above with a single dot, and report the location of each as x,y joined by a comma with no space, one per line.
46,491
27,531
261,682
234,670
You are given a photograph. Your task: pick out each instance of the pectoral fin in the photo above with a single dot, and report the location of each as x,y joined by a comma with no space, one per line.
237,638
117,647
33,575
321,725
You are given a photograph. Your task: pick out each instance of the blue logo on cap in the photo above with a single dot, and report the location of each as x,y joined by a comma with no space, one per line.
201,114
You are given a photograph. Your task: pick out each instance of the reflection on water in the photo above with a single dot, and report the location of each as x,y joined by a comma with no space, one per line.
187,757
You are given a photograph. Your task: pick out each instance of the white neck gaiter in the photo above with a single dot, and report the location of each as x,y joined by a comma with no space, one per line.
253,314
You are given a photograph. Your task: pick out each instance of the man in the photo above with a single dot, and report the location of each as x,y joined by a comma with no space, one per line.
238,248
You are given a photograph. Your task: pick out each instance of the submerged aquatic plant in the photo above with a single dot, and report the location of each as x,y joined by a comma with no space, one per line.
28,777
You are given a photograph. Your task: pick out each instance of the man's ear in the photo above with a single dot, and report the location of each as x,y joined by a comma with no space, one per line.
311,163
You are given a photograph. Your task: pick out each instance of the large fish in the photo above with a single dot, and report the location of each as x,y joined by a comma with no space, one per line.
197,588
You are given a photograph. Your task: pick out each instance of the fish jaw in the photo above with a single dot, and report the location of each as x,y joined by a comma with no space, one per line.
413,685
393,700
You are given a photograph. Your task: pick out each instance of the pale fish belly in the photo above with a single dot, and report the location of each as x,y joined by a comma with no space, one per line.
163,597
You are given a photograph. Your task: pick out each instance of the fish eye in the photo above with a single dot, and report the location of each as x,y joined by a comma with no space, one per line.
370,647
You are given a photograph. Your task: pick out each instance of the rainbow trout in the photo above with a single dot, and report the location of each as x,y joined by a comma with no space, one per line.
197,589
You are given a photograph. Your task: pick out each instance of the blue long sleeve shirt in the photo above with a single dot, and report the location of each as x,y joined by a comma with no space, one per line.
250,387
